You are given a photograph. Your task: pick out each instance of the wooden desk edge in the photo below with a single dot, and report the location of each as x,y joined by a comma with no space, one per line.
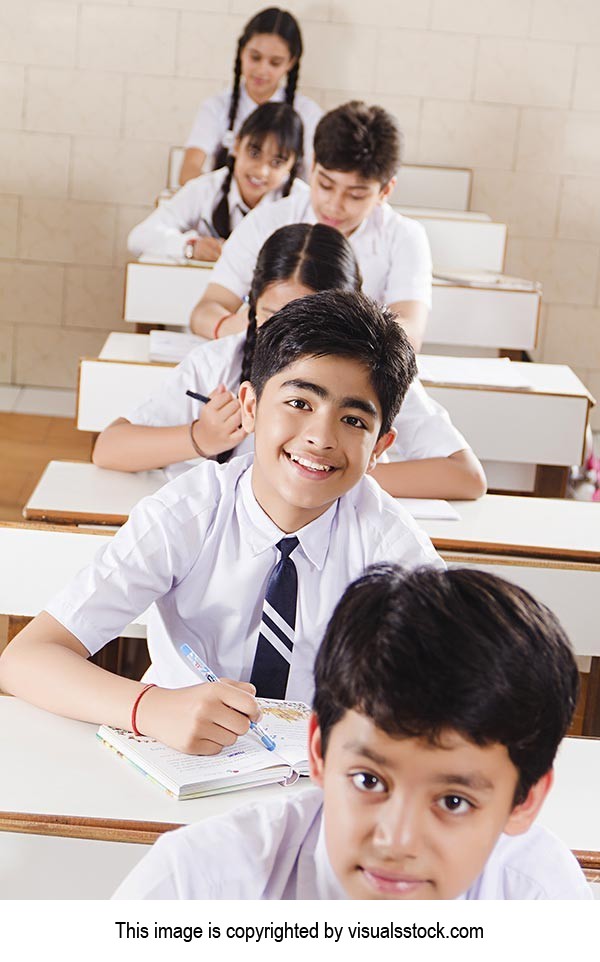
532,552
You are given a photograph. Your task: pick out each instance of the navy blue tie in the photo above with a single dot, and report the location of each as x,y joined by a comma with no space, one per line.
276,638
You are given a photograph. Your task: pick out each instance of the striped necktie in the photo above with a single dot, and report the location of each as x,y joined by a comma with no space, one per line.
276,638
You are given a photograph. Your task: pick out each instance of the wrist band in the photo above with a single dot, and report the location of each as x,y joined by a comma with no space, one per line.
218,325
141,694
200,453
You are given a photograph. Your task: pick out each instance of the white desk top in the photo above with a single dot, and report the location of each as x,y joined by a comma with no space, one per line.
56,767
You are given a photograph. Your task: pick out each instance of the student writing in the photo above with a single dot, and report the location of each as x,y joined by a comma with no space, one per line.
328,377
440,700
357,155
260,168
429,457
269,49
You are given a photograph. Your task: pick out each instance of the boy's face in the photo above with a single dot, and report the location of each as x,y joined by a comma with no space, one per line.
316,433
343,200
405,819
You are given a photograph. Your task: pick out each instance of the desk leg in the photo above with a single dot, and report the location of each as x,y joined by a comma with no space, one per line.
550,481
591,716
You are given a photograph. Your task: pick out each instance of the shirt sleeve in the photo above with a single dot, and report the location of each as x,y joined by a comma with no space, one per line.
235,266
171,406
174,222
209,125
424,429
409,277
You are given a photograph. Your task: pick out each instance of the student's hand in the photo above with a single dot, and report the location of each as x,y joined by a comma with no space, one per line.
200,720
218,427
207,248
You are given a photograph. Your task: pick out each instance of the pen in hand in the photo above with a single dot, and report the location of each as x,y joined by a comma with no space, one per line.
205,672
198,397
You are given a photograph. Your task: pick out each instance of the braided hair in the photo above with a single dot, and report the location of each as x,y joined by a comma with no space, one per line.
278,23
282,122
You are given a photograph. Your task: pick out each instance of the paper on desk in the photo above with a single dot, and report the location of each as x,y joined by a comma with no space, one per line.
172,345
430,509
150,258
473,371
488,279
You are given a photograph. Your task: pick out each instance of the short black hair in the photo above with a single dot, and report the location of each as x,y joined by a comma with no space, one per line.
358,138
426,652
340,324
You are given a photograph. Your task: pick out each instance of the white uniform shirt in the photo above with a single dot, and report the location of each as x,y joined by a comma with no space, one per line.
203,549
188,214
392,251
278,851
424,427
212,120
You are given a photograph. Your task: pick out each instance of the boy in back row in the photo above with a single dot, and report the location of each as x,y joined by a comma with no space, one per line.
440,701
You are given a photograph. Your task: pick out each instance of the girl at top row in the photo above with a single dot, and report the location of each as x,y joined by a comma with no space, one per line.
269,49
261,167
430,458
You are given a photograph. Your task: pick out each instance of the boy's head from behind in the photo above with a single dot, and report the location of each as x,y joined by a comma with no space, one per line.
329,374
441,699
357,152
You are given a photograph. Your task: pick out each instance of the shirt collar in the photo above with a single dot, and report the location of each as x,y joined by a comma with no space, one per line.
234,199
263,533
246,100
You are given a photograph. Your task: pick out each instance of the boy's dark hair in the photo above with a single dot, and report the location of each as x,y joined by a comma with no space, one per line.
358,138
431,651
339,324
285,125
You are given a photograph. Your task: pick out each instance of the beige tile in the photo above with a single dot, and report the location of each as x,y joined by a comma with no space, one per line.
163,108
38,32
467,135
73,101
94,298
9,225
526,202
128,39
508,19
8,393
118,171
31,294
52,402
34,164
7,338
559,141
49,357
577,21
580,209
572,336
339,56
67,231
303,10
381,13
522,72
586,95
568,270
424,64
127,218
207,44
210,6
12,85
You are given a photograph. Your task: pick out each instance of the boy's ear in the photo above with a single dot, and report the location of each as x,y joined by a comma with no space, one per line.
247,399
387,189
315,752
383,443
522,816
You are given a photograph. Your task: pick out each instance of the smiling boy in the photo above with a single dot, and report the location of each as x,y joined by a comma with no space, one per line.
440,700
357,156
329,375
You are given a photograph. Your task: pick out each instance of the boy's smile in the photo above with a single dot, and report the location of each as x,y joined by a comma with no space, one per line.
405,819
316,425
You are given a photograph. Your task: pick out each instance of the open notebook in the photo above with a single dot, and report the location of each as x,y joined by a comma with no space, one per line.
245,765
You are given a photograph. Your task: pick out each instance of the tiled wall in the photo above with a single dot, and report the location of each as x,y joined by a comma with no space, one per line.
92,94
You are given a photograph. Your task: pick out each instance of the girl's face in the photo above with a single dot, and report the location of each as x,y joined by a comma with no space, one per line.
277,295
265,60
260,168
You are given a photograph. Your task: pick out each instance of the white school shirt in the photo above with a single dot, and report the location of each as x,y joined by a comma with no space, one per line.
188,214
212,120
203,549
424,426
277,851
392,251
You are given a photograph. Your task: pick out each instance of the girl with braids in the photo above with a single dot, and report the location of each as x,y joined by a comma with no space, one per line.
269,49
261,168
430,459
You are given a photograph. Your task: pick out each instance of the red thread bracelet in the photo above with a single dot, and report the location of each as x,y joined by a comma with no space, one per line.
134,727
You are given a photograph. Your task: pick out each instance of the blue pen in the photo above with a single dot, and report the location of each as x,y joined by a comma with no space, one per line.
202,669
198,397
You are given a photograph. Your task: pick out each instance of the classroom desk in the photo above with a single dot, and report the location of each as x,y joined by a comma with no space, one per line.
100,797
159,292
464,244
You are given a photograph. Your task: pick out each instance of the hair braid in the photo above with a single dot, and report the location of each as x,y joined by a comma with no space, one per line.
292,83
220,217
222,152
249,346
